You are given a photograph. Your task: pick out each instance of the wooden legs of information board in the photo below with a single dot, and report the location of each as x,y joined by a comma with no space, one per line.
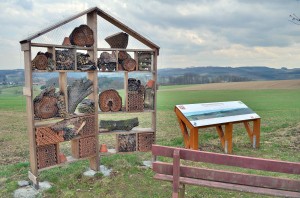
254,134
191,138
226,138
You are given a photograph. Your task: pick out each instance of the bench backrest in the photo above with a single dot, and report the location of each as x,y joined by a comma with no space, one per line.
227,176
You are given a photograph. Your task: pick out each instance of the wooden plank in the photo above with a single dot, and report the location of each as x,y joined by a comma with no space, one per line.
228,138
221,135
62,46
33,178
93,76
229,177
154,113
230,160
227,186
30,114
176,171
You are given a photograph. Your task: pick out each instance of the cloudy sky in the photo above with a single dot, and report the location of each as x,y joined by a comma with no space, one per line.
189,32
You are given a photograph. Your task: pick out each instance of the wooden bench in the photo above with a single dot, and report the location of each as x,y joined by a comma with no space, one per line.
181,175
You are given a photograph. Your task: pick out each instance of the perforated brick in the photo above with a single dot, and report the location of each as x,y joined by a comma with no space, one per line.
145,141
47,155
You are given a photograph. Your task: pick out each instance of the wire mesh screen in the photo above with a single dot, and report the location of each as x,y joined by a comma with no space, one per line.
106,29
57,35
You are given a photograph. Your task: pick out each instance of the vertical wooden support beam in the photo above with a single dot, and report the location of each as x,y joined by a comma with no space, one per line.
176,172
228,138
154,77
185,133
33,174
52,51
136,60
256,133
221,135
194,138
63,86
93,76
126,89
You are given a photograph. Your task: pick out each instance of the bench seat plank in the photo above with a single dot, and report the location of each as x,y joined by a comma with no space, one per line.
229,177
236,187
230,160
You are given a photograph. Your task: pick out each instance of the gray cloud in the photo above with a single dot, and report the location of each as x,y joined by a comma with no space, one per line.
189,32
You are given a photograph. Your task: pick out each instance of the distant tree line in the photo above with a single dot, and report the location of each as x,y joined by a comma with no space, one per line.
192,78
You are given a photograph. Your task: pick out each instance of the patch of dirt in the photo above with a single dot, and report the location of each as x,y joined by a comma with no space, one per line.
251,85
288,137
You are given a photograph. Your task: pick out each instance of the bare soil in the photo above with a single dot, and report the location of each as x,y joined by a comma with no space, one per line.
251,85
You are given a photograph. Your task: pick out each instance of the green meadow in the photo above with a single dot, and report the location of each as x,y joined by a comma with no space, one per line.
280,139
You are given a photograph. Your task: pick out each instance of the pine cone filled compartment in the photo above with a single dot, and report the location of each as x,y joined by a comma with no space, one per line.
126,142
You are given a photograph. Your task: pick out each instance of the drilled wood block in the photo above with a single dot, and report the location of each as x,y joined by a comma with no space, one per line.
45,135
126,142
47,155
87,146
145,141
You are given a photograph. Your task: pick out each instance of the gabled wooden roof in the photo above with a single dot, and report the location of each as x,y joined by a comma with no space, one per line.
105,16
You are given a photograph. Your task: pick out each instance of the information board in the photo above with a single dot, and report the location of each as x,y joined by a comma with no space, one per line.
205,114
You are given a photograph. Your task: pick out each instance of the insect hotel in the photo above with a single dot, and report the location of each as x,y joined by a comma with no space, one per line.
70,111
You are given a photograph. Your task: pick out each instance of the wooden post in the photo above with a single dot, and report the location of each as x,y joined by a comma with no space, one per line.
221,135
93,76
33,174
154,77
228,138
256,133
176,172
126,89
194,138
63,86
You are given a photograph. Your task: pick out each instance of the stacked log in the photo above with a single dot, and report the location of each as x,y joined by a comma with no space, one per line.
77,92
107,62
118,40
126,125
82,36
65,59
110,100
84,63
46,104
43,61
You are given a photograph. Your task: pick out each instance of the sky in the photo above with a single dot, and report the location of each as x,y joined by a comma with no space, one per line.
189,32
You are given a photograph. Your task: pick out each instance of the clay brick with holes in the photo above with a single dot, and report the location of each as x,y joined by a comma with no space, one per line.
84,147
89,127
47,155
145,141
45,135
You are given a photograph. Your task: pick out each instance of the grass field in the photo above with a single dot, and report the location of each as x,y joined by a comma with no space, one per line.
278,106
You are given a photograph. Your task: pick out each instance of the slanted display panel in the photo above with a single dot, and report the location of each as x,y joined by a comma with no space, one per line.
205,114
